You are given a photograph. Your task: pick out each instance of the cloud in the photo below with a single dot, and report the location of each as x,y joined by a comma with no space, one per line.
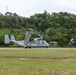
30,7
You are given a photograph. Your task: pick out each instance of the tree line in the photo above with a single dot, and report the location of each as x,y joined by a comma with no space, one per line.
60,27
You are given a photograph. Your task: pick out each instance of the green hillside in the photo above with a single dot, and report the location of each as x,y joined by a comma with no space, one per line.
60,27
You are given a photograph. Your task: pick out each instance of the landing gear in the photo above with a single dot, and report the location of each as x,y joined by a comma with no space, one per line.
46,46
27,47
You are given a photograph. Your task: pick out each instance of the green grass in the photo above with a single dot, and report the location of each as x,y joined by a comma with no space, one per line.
21,67
40,52
38,61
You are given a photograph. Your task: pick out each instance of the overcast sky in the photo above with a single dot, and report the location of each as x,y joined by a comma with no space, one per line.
27,8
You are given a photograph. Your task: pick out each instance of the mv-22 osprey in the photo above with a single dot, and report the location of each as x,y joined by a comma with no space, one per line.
28,42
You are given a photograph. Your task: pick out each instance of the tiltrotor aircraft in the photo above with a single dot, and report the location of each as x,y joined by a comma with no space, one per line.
27,42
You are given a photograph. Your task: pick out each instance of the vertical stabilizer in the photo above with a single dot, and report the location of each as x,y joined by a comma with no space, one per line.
6,39
12,38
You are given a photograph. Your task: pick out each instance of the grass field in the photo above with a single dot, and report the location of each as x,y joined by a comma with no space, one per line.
38,61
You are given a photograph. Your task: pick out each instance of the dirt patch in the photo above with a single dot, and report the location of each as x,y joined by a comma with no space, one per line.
39,59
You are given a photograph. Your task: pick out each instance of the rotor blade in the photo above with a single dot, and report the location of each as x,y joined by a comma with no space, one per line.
27,29
30,29
21,27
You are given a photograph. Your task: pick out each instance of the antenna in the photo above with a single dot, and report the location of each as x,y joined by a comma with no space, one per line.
6,8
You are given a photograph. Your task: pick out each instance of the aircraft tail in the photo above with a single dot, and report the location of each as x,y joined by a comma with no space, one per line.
12,38
6,39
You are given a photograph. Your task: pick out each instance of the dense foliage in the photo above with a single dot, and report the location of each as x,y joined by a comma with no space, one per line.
60,27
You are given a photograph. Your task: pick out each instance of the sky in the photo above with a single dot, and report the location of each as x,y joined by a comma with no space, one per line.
28,8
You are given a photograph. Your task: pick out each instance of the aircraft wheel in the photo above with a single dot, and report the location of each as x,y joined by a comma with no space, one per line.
29,47
46,46
25,47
